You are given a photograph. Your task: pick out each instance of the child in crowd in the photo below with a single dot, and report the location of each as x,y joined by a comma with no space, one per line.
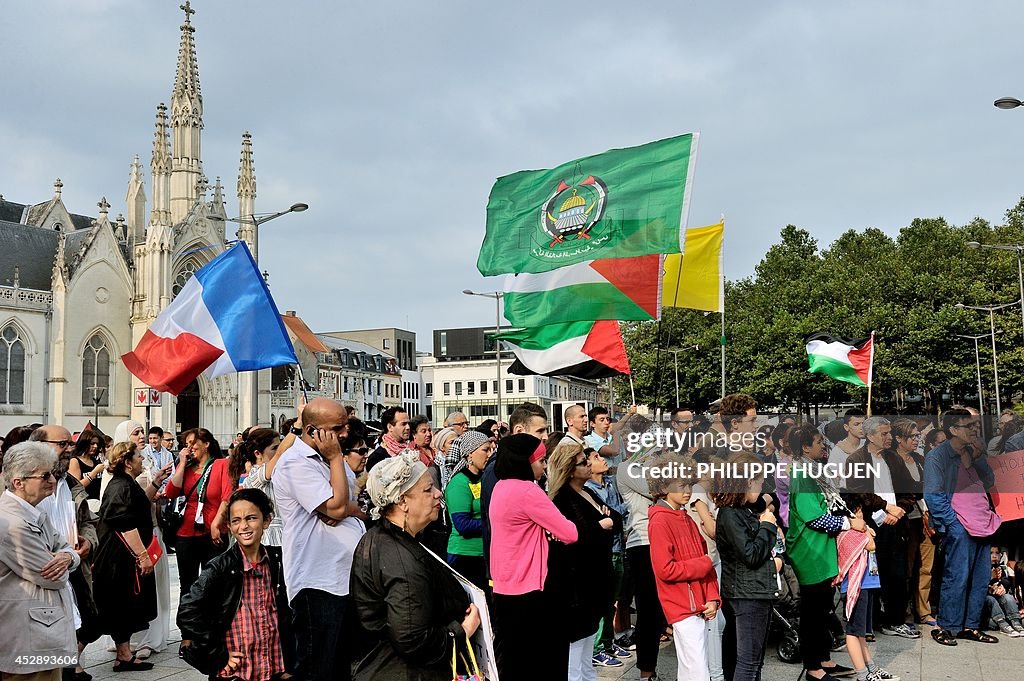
746,539
236,614
1004,613
858,570
683,571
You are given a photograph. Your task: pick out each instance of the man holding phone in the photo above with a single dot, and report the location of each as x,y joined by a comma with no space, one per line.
311,487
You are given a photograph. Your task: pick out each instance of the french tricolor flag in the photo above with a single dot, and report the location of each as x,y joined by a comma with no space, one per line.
223,320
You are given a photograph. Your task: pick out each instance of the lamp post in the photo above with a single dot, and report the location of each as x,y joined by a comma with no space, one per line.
97,397
497,295
248,395
977,361
675,356
257,219
1013,248
992,323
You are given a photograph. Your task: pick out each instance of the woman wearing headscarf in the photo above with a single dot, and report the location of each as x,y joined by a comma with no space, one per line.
462,496
123,570
411,607
525,612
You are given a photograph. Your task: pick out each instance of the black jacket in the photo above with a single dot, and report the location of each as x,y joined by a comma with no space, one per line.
578,572
409,606
206,612
745,545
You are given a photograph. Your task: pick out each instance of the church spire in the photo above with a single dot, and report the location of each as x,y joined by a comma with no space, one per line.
160,169
136,204
186,124
247,230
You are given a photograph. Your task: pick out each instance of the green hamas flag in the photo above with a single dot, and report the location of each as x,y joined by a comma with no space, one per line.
619,204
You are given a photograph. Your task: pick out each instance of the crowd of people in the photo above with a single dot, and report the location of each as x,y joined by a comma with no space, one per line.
327,553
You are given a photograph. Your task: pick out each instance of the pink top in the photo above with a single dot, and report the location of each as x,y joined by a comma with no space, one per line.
519,513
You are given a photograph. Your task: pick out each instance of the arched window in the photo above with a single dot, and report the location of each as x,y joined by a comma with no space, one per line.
184,274
12,367
96,372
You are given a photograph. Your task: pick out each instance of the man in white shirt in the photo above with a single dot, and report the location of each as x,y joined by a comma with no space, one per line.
155,456
320,537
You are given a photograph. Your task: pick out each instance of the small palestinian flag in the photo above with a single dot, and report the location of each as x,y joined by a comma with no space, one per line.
583,349
841,359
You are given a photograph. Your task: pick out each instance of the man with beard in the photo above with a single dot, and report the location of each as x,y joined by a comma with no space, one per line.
80,529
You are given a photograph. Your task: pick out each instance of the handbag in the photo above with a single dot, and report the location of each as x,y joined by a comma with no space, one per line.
170,512
472,669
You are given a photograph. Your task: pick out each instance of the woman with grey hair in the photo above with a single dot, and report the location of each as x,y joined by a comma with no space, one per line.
39,627
410,605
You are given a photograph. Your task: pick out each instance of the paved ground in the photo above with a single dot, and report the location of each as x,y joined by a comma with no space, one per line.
920,660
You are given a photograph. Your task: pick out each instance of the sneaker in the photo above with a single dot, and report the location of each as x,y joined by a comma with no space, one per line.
1017,626
1005,627
618,651
626,641
901,630
605,660
882,675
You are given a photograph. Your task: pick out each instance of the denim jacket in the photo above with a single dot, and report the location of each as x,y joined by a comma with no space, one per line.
941,469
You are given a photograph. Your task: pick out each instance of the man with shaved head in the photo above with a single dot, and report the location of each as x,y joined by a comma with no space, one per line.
320,536
575,424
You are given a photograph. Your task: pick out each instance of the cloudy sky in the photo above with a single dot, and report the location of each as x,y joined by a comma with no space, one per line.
392,119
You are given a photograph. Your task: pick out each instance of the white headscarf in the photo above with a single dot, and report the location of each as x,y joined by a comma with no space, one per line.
392,478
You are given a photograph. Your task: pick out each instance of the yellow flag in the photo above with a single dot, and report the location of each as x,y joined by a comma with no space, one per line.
694,278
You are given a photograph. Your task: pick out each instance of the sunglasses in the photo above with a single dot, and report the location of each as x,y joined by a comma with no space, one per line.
61,443
361,451
45,477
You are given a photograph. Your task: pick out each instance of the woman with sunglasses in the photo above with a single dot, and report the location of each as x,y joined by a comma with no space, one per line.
262,446
356,452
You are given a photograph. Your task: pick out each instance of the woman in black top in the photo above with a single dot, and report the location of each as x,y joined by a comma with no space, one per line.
409,604
123,583
579,572
85,465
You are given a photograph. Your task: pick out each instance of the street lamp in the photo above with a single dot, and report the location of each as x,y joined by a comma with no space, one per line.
675,355
257,219
992,323
97,397
497,295
1014,248
1007,103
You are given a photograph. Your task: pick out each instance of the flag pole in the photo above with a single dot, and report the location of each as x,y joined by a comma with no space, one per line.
871,370
302,383
632,390
721,296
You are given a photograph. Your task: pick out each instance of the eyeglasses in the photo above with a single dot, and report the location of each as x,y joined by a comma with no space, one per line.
682,421
61,443
585,462
45,477
361,451
461,423
972,425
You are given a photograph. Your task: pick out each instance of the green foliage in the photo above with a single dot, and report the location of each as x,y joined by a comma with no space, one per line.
905,289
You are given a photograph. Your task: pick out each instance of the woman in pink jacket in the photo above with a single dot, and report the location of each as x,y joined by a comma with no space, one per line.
521,516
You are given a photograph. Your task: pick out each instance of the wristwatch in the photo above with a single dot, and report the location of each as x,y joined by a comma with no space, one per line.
297,432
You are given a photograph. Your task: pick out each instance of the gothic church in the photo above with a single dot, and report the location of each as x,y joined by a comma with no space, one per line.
78,292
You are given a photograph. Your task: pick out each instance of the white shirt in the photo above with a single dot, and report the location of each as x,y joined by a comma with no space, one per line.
883,483
316,556
59,507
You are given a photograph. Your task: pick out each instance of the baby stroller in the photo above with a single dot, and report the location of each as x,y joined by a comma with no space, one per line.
785,621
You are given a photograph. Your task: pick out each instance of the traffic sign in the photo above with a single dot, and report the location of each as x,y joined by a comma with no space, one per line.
148,397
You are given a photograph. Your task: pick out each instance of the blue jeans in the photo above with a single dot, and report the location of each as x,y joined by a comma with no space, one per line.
964,580
746,633
320,621
1001,609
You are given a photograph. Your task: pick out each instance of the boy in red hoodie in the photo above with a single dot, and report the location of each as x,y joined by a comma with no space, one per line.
687,585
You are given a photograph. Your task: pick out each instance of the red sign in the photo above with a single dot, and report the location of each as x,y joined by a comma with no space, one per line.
148,397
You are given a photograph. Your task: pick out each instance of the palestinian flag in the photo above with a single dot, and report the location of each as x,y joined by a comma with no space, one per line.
581,349
840,359
614,288
622,203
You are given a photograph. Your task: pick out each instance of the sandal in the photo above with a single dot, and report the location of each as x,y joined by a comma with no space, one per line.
144,653
944,637
132,666
975,635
